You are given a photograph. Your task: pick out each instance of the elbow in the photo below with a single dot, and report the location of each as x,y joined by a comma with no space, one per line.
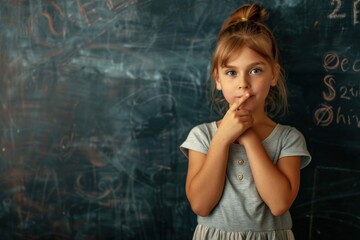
277,212
279,209
201,210
200,207
279,206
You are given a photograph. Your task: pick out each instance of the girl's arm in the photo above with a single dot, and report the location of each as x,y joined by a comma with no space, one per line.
278,184
206,177
206,172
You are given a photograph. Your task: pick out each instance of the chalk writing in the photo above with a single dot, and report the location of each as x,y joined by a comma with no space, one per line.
324,116
53,17
333,62
36,19
334,14
346,90
349,92
97,95
88,145
87,13
339,13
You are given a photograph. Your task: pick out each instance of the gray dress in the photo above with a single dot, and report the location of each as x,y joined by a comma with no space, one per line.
241,213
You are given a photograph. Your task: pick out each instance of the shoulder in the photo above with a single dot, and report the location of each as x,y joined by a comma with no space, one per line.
293,143
287,132
203,129
290,137
199,138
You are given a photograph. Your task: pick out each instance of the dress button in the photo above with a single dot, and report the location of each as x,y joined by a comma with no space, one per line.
240,177
240,162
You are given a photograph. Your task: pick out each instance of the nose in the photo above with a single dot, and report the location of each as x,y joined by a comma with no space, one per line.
243,82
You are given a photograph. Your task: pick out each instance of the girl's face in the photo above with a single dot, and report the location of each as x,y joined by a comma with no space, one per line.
246,72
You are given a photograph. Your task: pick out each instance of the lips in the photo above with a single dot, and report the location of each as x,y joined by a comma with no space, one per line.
243,95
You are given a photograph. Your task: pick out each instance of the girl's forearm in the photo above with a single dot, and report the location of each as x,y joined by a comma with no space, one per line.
206,187
273,186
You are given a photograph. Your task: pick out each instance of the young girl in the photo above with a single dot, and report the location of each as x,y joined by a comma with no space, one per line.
244,170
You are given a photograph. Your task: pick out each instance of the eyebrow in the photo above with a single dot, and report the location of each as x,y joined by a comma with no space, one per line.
250,65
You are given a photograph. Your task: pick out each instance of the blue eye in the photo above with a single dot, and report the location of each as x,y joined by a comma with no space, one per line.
231,73
255,70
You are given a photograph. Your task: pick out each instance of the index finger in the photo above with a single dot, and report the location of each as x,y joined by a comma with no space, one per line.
238,103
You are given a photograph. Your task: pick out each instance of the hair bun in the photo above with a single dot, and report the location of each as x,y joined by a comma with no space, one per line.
248,12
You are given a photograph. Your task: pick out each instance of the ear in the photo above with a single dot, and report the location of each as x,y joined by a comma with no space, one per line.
276,73
217,81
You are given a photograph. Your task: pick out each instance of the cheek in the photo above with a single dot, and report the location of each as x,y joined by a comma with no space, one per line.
228,93
263,86
265,91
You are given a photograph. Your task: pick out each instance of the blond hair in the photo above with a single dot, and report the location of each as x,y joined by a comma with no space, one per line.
244,28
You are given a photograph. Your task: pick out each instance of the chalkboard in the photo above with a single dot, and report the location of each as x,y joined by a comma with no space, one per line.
96,97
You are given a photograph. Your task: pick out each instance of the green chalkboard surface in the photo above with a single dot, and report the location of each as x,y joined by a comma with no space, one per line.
96,97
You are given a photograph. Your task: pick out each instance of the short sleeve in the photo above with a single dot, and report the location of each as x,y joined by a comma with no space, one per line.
198,139
294,144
